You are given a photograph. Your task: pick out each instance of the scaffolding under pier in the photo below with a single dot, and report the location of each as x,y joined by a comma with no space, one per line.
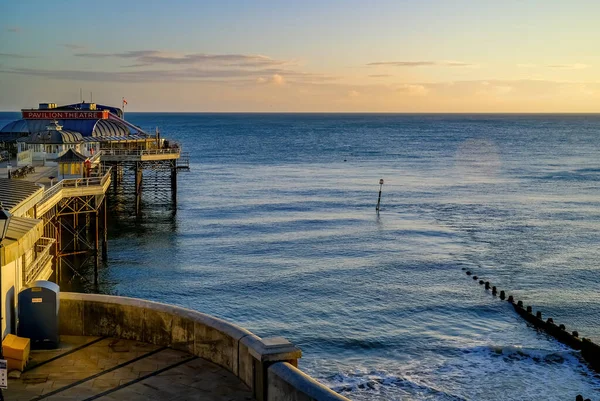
151,172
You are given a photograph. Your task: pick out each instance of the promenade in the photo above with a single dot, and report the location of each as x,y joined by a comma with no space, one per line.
98,368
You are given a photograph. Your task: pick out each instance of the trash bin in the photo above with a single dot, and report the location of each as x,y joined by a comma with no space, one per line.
38,314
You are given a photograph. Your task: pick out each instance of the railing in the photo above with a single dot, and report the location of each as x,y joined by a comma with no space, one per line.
96,157
139,152
50,192
100,180
42,249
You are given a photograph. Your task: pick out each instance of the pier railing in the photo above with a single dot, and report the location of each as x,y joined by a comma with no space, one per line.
42,249
52,191
96,157
140,152
99,180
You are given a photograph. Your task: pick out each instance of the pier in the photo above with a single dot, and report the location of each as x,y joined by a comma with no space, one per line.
74,158
74,211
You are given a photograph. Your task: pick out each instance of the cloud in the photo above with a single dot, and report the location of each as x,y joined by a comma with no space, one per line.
527,65
14,55
134,65
13,29
421,64
278,79
353,93
228,75
275,79
73,46
413,89
494,89
379,75
150,57
575,66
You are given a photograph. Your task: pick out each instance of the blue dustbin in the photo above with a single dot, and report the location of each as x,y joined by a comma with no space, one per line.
38,314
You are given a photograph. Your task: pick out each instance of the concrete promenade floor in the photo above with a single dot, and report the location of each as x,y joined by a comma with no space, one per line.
97,368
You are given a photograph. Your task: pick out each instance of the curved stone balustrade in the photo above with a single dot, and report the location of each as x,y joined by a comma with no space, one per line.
266,366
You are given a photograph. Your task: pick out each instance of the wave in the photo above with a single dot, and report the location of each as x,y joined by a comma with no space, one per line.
379,381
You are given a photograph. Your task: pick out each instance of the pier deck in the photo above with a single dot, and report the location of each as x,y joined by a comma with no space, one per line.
97,368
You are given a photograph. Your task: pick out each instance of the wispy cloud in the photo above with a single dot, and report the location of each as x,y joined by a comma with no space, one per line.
14,55
226,75
421,64
73,46
151,57
575,66
379,75
13,29
413,89
275,79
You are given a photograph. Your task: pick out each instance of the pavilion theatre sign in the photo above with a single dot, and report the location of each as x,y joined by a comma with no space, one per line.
64,115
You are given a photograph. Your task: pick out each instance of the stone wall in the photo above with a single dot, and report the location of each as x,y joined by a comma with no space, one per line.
266,366
287,383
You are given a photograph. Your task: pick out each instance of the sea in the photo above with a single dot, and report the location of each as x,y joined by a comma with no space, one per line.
276,230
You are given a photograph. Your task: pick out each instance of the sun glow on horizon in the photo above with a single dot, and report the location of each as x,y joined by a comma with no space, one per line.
469,56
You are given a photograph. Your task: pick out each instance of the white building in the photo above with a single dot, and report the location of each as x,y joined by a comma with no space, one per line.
25,254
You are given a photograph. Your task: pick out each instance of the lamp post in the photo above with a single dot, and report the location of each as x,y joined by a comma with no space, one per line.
4,223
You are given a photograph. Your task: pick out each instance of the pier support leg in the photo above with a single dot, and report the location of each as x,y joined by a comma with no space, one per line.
174,183
57,245
105,232
115,178
96,250
76,228
138,188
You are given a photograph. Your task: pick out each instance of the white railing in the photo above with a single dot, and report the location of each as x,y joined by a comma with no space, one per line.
42,249
98,180
139,152
96,157
50,192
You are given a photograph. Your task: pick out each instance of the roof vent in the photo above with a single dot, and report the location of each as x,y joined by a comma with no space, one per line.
47,106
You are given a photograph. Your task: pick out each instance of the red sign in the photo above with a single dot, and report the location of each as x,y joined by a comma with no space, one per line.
65,115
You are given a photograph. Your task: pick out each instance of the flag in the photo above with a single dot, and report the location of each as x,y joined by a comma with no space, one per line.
124,102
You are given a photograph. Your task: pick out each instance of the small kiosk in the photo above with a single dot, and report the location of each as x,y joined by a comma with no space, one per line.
73,164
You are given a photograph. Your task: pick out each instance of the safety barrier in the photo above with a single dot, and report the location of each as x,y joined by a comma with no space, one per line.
266,365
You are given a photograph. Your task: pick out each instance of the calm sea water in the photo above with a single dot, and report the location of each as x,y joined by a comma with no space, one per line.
276,230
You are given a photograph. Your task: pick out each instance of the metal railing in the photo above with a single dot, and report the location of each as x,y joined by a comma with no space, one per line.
100,179
96,157
139,152
42,250
50,192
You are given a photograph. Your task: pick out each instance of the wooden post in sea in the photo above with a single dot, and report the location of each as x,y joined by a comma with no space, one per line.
379,199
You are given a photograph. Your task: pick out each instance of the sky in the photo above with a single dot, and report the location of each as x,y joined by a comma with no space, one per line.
303,56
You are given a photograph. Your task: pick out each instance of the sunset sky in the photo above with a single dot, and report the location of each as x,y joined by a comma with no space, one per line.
377,56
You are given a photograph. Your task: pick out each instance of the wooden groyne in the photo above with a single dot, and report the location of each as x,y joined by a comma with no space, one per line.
590,351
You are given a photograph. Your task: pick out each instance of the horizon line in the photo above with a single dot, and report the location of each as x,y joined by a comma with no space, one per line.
356,112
